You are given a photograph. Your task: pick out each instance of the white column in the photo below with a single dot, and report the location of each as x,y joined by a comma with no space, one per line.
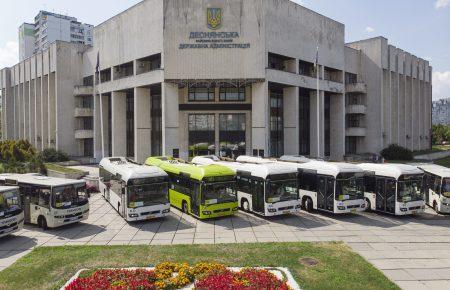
260,117
291,120
170,120
119,129
44,111
337,127
142,124
314,128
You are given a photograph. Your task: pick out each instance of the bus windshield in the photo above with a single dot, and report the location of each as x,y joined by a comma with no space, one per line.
350,189
282,190
9,203
147,194
218,192
409,190
68,196
445,190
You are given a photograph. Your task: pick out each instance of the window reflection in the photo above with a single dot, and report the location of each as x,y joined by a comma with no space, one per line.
201,134
232,135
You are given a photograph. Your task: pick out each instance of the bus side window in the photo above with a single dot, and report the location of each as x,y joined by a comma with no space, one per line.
33,193
430,181
116,185
104,175
243,184
44,198
308,181
437,185
369,183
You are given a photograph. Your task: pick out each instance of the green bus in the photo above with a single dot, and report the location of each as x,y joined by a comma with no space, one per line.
202,191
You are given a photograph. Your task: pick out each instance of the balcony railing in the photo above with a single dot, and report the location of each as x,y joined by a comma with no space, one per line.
355,132
355,109
83,91
84,134
83,112
356,88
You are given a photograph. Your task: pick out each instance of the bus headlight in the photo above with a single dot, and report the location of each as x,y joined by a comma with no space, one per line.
340,207
271,210
403,209
206,212
166,210
133,215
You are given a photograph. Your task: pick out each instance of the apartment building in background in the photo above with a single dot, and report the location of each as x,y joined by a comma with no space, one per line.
197,77
441,112
50,27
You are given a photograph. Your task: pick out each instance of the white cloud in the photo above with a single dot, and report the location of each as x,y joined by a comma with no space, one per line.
370,29
9,54
441,85
442,4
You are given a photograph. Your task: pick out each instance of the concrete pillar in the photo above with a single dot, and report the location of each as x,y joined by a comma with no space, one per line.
26,113
260,117
16,112
142,124
170,120
314,128
52,110
291,120
119,128
394,108
97,129
416,114
37,114
32,112
408,114
21,111
337,127
9,109
44,111
401,111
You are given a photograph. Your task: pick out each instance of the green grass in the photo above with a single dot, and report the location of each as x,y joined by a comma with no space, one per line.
434,149
443,162
62,169
338,267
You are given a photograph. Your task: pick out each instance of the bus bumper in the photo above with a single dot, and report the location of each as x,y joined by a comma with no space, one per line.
67,220
219,210
444,207
409,208
148,213
349,206
11,228
282,208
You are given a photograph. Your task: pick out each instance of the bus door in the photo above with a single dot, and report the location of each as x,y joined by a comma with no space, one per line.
123,201
196,198
380,189
258,195
26,203
391,189
325,193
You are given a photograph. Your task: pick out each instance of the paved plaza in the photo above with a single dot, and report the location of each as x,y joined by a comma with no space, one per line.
412,251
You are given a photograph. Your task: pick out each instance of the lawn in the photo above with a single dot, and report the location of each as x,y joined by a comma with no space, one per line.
62,169
337,268
443,162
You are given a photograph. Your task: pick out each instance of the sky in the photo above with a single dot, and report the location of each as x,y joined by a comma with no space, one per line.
421,27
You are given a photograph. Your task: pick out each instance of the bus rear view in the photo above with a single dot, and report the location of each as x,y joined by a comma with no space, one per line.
11,213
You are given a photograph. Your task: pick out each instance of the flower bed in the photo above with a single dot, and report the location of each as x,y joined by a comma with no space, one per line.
201,276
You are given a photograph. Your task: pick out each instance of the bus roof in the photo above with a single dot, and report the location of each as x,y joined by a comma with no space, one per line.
263,169
171,165
295,158
435,169
329,168
40,180
129,170
390,170
8,188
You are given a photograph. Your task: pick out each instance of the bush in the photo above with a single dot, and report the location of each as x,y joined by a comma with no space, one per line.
51,155
396,152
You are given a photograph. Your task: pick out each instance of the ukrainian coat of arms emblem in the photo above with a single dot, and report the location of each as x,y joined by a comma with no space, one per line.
214,16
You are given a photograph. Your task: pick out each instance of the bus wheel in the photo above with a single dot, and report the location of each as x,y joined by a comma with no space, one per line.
42,223
245,206
368,205
185,207
308,204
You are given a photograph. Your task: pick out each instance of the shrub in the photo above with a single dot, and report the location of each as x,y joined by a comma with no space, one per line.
52,155
396,152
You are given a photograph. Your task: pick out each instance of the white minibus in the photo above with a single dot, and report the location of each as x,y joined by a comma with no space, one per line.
437,187
11,213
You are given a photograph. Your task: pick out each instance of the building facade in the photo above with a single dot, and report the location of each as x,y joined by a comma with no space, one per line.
188,78
441,112
50,27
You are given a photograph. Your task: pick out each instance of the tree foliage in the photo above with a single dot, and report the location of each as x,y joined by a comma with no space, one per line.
441,133
396,152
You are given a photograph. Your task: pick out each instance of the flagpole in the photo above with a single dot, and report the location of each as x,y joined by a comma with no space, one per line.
318,103
97,73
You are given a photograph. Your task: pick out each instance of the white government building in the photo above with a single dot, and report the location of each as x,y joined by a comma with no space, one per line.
195,77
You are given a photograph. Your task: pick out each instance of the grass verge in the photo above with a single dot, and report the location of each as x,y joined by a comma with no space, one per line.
62,169
338,267
443,162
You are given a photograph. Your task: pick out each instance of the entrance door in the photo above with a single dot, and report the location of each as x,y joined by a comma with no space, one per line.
258,196
196,198
391,187
380,194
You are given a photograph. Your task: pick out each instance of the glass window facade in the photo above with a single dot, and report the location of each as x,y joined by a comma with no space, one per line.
304,120
201,134
276,123
232,94
130,125
201,94
327,125
232,135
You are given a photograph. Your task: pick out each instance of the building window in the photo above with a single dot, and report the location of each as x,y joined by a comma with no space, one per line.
88,148
304,122
201,94
306,69
232,135
130,125
351,78
201,134
276,123
350,145
327,125
156,120
232,94
88,81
